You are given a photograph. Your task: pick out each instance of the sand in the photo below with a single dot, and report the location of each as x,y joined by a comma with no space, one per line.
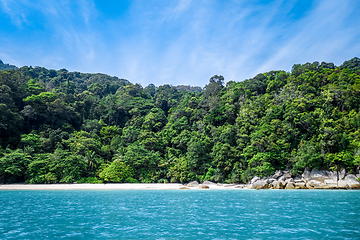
111,186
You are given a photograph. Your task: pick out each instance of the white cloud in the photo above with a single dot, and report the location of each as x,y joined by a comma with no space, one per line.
183,42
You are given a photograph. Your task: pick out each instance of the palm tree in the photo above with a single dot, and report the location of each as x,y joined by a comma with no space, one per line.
90,160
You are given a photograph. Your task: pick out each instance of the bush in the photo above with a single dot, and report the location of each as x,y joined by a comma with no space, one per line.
162,180
131,180
89,180
117,171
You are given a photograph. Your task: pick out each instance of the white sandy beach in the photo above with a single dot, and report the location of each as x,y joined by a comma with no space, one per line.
110,186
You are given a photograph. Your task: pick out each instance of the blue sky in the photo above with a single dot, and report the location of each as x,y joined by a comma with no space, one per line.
178,41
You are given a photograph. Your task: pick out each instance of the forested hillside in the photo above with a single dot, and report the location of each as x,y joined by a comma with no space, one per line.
62,127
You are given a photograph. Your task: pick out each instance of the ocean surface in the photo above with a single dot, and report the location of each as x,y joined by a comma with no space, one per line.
180,214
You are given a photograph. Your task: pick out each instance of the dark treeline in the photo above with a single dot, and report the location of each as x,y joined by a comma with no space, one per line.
61,127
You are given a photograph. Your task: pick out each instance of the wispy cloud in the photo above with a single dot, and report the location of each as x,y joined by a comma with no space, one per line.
179,42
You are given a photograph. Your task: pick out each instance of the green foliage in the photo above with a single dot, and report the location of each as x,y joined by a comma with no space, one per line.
60,167
117,171
89,180
13,165
69,126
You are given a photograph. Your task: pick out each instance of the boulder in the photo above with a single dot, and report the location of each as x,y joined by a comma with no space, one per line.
300,185
322,186
342,173
289,180
350,179
290,185
312,183
193,184
282,178
260,184
204,187
206,182
254,179
287,175
318,175
342,184
184,187
219,184
241,186
228,185
299,181
270,180
306,174
277,185
277,174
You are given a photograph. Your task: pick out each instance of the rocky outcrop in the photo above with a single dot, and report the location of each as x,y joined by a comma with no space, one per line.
228,185
241,186
352,182
204,186
300,185
310,179
277,185
254,179
193,184
260,184
312,184
270,180
290,185
277,174
206,182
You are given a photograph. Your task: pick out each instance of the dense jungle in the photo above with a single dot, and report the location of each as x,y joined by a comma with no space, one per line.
58,126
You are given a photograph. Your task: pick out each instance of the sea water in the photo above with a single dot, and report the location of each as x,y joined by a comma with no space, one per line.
180,214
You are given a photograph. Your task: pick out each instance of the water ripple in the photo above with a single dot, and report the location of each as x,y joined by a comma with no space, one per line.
180,214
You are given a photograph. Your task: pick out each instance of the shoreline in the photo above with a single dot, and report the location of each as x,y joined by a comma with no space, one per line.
141,186
112,186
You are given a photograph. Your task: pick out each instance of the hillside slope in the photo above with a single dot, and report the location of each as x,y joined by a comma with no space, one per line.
60,126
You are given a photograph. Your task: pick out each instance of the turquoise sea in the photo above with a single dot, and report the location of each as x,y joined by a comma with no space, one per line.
180,214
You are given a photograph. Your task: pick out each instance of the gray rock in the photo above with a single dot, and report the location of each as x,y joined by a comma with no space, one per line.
287,175
282,178
270,180
299,180
322,186
241,186
208,182
313,183
290,185
289,180
342,184
306,174
228,185
277,174
260,184
330,181
342,174
300,185
331,175
193,184
318,175
277,185
219,184
350,179
254,179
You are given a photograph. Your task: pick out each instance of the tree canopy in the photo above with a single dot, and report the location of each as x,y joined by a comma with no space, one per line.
60,126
